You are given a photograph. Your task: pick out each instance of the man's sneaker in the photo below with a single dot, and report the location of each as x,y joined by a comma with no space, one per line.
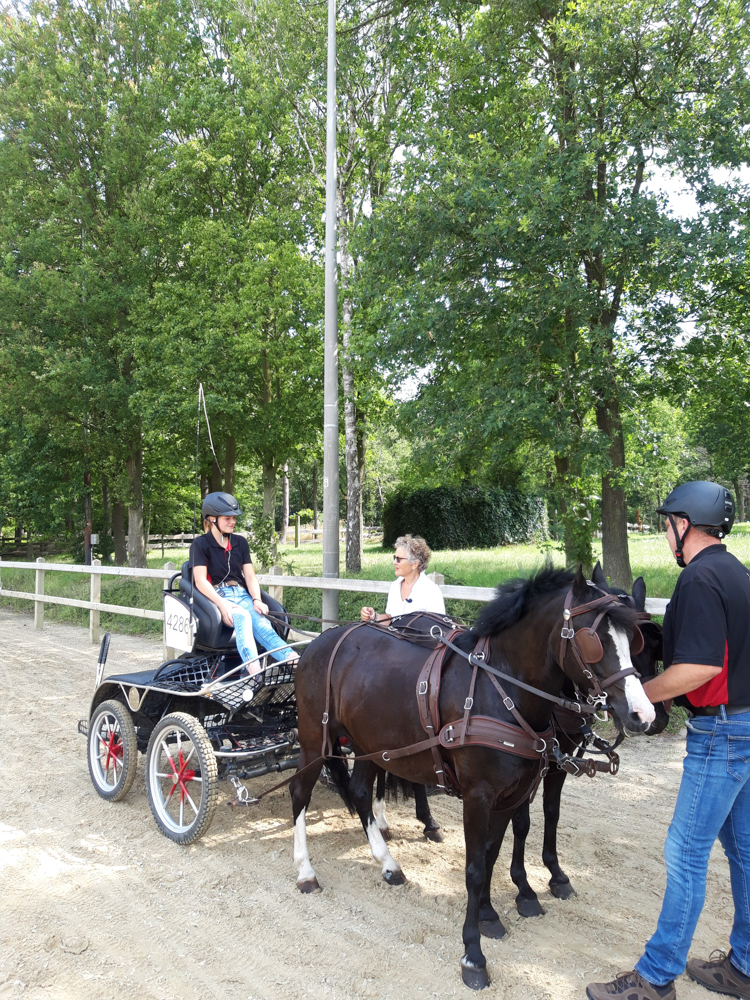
718,974
630,986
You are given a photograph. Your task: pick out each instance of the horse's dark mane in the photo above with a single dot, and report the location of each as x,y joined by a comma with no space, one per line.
516,599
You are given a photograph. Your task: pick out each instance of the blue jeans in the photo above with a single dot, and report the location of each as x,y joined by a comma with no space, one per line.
713,801
249,624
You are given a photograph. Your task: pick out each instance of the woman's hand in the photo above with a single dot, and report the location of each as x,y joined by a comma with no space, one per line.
368,615
226,613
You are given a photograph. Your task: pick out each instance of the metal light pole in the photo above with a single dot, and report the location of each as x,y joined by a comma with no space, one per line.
331,379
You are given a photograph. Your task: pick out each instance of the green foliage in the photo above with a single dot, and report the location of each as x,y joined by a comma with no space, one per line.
462,518
262,538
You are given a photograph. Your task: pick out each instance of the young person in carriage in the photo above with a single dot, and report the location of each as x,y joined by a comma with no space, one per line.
707,669
223,572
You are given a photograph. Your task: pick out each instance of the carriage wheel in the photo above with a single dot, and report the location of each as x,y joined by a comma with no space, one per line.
112,750
181,778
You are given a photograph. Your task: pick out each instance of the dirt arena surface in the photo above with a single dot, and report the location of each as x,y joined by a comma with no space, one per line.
96,903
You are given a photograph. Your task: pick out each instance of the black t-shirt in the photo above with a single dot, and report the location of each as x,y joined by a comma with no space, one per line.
221,564
708,621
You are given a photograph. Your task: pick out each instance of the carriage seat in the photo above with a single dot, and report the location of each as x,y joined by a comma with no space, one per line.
211,632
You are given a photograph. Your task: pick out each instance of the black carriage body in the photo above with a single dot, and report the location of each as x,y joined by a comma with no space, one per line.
250,721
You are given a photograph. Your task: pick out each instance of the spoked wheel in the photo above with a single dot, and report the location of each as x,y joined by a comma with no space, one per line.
181,778
112,751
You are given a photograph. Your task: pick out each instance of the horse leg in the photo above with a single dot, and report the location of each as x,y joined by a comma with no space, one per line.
490,924
360,791
301,791
527,901
476,832
559,884
379,807
431,826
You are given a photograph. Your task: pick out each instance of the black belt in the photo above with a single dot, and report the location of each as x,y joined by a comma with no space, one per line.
716,709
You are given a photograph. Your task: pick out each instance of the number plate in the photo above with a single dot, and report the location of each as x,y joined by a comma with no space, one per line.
179,628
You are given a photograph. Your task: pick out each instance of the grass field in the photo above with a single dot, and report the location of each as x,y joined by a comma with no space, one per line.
649,557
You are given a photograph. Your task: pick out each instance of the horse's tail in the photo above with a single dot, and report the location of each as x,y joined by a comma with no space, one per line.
338,777
395,786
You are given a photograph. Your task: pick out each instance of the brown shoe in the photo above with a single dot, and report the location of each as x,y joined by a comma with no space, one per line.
630,986
718,974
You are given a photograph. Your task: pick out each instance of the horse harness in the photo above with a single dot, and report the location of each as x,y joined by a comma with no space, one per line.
479,730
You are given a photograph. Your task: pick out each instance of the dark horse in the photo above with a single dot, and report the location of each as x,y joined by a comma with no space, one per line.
361,682
646,663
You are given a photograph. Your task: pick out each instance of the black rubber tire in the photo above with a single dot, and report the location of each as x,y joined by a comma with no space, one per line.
112,720
174,731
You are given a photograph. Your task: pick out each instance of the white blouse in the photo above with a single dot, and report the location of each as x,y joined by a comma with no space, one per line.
425,596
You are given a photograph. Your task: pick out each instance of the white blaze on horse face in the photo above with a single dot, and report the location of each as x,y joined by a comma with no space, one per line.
379,813
638,703
379,850
301,857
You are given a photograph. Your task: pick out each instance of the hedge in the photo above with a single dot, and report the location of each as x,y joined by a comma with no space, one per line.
451,517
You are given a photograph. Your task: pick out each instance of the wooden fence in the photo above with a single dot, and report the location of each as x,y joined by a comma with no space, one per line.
271,581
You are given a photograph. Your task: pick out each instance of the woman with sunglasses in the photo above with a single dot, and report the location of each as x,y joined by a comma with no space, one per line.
411,590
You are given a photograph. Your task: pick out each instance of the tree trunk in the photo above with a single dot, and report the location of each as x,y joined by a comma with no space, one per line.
315,495
353,482
284,504
217,482
269,491
615,555
136,540
230,456
18,535
361,451
205,490
576,528
105,505
118,532
739,513
87,517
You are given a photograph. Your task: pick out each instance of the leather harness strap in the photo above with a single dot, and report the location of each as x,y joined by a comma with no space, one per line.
327,750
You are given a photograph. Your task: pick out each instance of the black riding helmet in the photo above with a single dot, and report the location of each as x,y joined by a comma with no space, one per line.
220,505
705,504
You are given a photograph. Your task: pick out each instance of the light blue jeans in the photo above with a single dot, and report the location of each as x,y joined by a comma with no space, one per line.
249,624
713,801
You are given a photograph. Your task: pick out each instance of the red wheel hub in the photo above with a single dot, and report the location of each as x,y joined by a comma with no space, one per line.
181,774
113,747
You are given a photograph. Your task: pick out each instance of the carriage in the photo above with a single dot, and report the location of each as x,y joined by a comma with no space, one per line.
198,718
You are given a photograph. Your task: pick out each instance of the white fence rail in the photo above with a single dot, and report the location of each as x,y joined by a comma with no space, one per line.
275,582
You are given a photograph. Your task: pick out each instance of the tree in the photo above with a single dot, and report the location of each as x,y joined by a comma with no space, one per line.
524,258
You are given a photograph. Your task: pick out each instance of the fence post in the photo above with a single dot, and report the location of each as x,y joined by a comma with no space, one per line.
95,596
168,651
296,532
276,592
39,589
437,578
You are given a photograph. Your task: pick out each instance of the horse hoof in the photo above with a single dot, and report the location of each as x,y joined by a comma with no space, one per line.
394,878
562,890
529,907
309,885
435,834
492,929
474,976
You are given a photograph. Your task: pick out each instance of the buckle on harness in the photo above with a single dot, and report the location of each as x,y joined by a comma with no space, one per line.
385,755
436,632
567,633
325,718
422,687
468,704
447,738
508,702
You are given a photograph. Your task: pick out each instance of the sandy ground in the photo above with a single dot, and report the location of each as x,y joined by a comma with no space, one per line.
96,903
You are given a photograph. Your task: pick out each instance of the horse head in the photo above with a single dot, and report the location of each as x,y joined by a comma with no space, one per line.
598,638
647,661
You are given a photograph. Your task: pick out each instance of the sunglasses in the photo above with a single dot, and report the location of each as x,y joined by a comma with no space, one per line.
399,559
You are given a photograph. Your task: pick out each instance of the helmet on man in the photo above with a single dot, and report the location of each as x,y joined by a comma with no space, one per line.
705,505
220,505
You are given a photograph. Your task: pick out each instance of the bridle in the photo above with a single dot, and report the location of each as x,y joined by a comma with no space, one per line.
587,649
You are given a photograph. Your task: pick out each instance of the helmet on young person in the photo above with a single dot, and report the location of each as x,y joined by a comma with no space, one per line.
704,504
220,505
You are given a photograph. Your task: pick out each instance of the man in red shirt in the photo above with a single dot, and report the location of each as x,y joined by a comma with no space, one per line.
707,670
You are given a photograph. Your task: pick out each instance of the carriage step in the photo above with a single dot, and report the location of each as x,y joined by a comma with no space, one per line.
83,727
